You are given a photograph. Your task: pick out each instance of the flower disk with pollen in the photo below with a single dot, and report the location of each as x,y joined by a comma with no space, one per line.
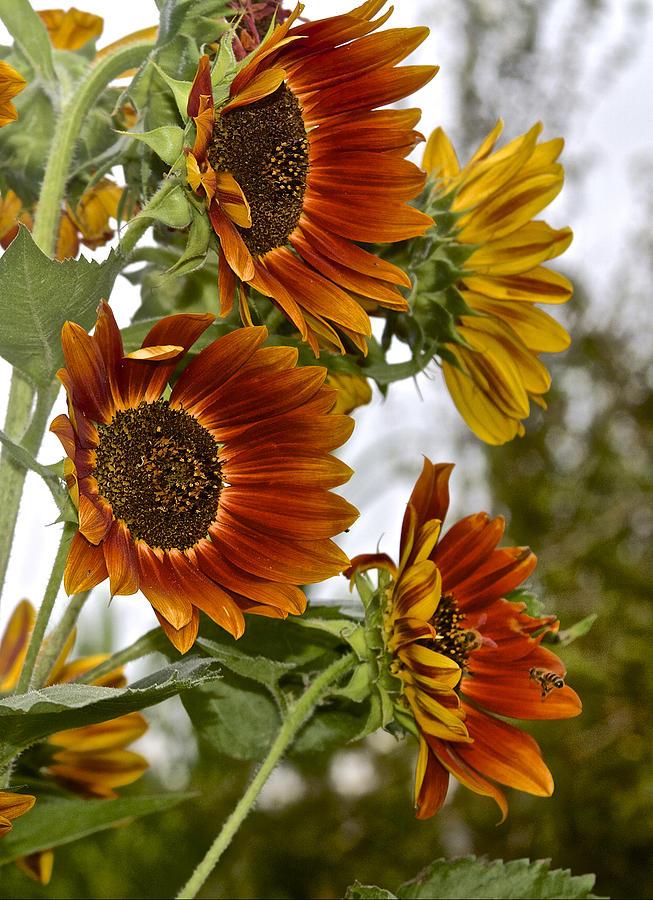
160,471
265,147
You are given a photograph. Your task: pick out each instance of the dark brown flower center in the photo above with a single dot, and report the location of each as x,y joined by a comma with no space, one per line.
264,146
451,638
160,471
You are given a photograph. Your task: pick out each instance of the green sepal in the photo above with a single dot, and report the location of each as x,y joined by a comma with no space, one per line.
571,634
179,89
197,245
172,209
167,141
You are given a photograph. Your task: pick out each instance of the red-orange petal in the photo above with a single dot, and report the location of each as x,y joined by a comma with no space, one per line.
85,566
206,595
120,558
95,518
233,246
87,371
181,638
162,587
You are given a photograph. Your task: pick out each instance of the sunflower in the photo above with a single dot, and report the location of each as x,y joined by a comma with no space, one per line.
464,654
12,806
496,374
300,163
215,497
11,83
91,760
72,28
87,223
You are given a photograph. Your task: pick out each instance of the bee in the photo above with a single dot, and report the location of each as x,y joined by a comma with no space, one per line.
548,681
471,640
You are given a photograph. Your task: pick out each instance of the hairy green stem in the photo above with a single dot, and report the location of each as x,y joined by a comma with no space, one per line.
298,713
65,137
150,642
45,610
52,648
26,428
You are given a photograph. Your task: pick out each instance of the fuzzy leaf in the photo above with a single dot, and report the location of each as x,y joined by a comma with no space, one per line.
478,879
166,141
30,34
37,295
265,671
55,822
27,718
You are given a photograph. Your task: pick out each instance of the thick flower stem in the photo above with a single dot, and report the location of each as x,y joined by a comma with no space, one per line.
25,428
66,134
297,715
51,650
45,610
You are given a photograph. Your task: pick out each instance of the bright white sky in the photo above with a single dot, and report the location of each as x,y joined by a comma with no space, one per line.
390,437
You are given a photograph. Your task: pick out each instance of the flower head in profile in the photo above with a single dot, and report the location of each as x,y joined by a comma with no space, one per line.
300,164
466,656
11,84
496,373
215,496
92,760
254,20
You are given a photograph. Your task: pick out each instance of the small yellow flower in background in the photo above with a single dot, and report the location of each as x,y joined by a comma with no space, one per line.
465,655
11,83
71,29
353,391
92,760
497,194
12,806
87,224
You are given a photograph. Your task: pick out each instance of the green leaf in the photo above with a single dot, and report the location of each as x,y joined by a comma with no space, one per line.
27,718
55,822
196,247
166,141
534,606
235,716
478,879
358,891
30,35
268,672
37,295
580,629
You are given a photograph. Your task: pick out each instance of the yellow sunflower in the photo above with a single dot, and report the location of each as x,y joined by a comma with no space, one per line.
300,165
466,656
11,83
494,199
92,760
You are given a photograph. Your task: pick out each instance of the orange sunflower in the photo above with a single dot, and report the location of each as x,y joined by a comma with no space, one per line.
72,28
91,760
495,196
464,654
300,163
215,497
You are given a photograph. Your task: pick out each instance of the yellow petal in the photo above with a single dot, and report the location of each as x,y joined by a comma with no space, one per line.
538,285
163,351
71,29
14,645
521,250
538,330
440,159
